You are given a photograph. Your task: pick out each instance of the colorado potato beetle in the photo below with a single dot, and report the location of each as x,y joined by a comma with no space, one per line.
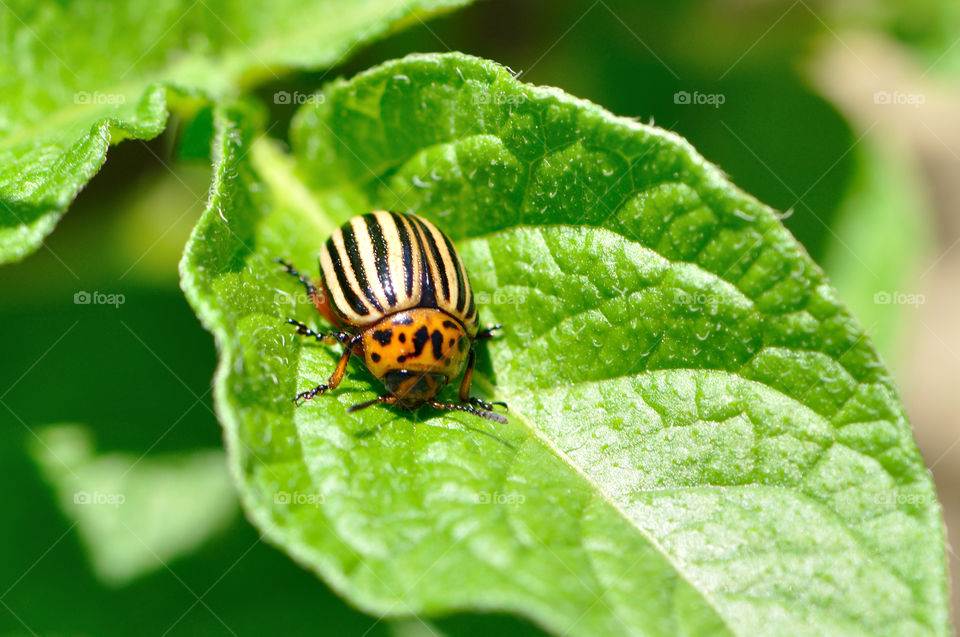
396,289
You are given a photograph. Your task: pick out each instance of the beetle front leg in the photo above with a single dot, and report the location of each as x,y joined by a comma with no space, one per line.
334,381
464,393
476,402
328,338
488,332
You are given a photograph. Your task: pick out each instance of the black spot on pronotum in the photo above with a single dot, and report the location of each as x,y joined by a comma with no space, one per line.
402,337
375,357
406,251
436,339
420,338
383,336
450,324
453,342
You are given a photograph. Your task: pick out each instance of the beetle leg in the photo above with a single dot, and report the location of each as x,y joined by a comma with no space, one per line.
464,394
335,377
388,399
467,377
324,337
304,396
488,332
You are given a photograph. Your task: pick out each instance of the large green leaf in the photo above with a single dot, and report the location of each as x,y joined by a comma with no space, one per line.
701,439
78,76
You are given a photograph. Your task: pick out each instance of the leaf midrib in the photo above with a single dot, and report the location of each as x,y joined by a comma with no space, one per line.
517,414
534,432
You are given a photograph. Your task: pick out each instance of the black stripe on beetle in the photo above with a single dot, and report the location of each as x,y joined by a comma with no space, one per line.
406,252
461,275
352,249
380,257
348,294
428,291
437,259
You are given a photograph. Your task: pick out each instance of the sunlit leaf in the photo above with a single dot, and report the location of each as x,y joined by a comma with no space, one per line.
702,440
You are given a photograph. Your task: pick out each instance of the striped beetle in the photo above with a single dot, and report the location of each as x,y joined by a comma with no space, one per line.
397,288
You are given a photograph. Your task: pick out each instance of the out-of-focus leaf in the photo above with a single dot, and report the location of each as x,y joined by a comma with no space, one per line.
76,77
135,514
881,238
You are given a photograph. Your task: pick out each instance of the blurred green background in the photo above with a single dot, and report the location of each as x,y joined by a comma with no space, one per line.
119,394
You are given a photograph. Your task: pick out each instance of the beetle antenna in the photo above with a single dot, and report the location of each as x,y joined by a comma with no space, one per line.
386,400
483,413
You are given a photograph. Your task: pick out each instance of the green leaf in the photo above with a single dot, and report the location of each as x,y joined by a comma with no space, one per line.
135,514
79,76
701,438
